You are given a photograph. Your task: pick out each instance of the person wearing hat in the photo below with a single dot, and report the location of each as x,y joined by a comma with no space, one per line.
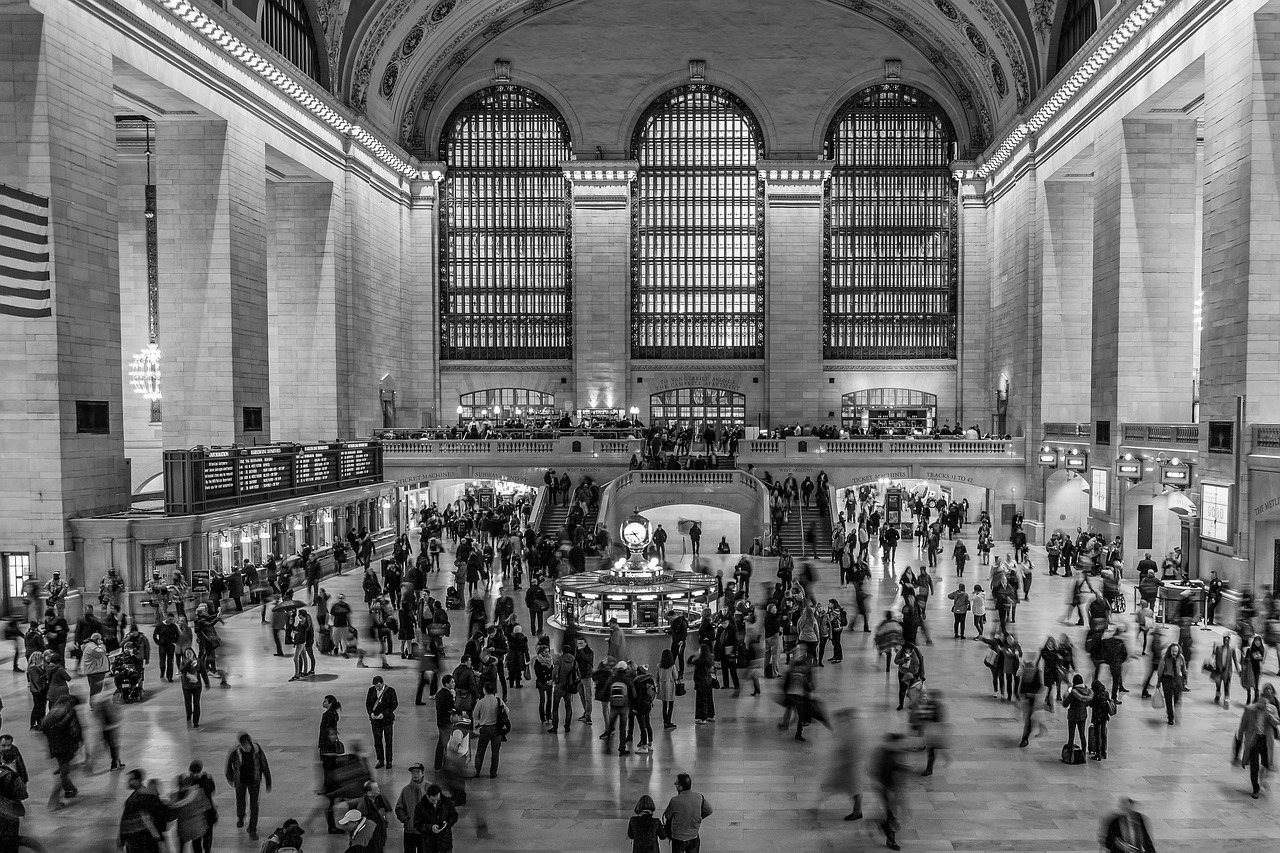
436,815
407,807
381,703
56,591
361,829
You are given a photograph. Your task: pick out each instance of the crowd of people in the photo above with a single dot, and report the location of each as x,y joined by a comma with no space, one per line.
774,634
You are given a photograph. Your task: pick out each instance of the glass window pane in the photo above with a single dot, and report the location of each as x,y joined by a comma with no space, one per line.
505,268
697,220
891,268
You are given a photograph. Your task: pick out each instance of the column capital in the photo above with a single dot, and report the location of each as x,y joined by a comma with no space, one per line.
794,182
603,184
965,173
432,171
600,172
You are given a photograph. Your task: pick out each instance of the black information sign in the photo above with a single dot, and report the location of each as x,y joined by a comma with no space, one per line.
208,479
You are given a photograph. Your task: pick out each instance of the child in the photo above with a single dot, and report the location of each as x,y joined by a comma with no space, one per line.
644,829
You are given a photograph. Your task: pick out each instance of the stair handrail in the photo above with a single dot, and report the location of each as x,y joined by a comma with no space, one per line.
539,508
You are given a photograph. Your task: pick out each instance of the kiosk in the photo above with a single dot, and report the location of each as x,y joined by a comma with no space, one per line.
637,591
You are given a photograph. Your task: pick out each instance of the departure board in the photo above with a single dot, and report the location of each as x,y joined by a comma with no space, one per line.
207,479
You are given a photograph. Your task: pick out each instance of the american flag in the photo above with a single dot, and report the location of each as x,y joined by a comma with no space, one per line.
24,254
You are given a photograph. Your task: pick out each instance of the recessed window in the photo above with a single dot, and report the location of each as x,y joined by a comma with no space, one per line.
93,416
891,267
505,253
1102,432
253,419
697,248
1222,437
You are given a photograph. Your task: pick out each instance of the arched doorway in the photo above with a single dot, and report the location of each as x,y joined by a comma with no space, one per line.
888,411
1066,503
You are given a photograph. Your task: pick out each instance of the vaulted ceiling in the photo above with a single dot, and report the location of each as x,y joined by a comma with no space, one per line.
392,60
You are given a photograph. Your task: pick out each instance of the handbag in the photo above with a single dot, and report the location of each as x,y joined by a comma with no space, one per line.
991,657
680,688
1157,699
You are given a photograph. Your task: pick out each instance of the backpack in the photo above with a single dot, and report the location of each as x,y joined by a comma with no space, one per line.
574,682
618,697
844,618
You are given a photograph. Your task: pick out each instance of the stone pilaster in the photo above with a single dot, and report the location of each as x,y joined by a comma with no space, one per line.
302,309
601,282
1143,263
213,282
973,326
794,383
421,266
57,141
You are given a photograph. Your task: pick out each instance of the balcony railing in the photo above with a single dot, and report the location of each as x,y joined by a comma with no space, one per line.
1266,436
1171,435
858,448
549,449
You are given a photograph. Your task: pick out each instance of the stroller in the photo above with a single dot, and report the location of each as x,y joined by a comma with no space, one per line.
127,671
453,598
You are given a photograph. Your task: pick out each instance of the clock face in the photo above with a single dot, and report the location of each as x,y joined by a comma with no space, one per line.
635,534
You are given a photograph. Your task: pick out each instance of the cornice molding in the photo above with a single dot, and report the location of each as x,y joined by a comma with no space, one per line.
602,172
889,366
518,367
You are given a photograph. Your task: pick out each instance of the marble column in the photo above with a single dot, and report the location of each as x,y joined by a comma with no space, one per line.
422,404
973,325
213,282
602,284
57,142
795,387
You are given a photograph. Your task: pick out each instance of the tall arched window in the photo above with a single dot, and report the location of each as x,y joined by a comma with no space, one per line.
1079,22
890,259
697,248
505,270
287,28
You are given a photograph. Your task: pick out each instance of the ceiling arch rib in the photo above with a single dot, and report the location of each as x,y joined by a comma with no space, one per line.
411,48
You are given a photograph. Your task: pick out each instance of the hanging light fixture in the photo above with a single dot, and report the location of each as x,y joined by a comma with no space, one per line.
144,370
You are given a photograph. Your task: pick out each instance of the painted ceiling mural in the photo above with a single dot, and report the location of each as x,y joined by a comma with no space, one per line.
404,52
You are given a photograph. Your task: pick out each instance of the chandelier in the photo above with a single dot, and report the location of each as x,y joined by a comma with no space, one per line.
144,372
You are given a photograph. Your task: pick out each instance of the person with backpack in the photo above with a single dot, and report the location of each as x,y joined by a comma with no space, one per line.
619,693
1029,685
1103,708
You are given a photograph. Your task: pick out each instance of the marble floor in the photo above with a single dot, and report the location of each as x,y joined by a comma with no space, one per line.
567,793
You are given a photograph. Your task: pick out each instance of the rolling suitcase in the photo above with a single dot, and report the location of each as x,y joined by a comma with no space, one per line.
1093,740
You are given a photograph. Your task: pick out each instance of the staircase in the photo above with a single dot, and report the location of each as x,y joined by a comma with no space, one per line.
555,518
793,535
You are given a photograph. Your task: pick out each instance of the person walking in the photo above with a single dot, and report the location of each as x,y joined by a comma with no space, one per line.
246,771
165,637
1226,662
1029,685
886,772
380,702
144,817
1173,678
1254,742
61,727
695,539
1126,831
684,815
194,679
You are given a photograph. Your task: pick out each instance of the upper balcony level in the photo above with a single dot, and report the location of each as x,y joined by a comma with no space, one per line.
563,450
857,451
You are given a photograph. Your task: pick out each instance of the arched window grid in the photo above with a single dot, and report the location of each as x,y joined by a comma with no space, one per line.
697,236
890,258
697,407
1079,23
506,268
481,404
286,27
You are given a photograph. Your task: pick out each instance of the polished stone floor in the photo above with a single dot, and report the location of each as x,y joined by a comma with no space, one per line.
567,793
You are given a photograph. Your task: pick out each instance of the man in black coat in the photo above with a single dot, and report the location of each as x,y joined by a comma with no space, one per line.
436,816
1126,831
381,703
